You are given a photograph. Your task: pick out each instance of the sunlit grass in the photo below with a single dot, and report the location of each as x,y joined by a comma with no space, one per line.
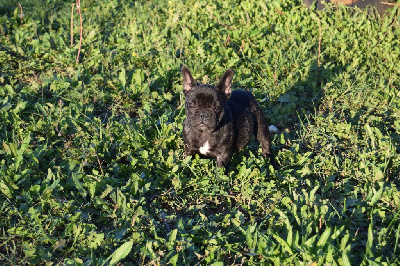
91,158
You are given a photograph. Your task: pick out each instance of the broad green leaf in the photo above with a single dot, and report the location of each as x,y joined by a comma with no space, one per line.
95,240
122,77
377,194
345,259
289,229
312,193
18,160
370,239
78,184
174,259
5,189
59,244
397,238
287,98
149,248
121,252
324,237
172,235
6,107
371,135
90,36
283,243
29,249
176,182
251,236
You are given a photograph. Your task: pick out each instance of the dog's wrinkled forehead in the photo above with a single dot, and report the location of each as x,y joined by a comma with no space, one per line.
204,96
203,100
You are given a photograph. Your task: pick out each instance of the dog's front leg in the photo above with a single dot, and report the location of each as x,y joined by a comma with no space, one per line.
189,152
223,160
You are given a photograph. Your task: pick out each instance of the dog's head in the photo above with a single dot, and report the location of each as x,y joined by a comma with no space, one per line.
205,104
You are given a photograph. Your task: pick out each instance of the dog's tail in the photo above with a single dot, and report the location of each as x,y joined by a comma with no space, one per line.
273,130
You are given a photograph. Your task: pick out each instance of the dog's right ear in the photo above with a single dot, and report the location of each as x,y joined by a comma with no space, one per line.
188,80
225,83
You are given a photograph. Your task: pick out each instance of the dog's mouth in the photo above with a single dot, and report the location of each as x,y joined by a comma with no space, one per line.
203,125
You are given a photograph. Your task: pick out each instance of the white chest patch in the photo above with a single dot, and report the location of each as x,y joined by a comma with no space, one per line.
205,148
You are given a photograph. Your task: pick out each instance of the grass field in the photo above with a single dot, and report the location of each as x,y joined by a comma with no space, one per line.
92,170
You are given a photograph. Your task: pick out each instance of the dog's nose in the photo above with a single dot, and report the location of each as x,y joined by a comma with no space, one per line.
203,116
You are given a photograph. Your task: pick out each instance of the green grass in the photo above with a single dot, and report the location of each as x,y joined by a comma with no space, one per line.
91,158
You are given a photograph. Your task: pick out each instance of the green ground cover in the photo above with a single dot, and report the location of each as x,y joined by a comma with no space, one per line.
91,160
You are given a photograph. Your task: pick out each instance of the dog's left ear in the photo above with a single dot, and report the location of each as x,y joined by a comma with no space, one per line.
225,83
188,80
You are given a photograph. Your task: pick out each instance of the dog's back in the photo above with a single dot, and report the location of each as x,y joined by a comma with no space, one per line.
239,102
248,119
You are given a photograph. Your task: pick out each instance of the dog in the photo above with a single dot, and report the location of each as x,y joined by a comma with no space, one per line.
220,121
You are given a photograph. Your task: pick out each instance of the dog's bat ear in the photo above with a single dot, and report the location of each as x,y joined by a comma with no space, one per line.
188,80
225,83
